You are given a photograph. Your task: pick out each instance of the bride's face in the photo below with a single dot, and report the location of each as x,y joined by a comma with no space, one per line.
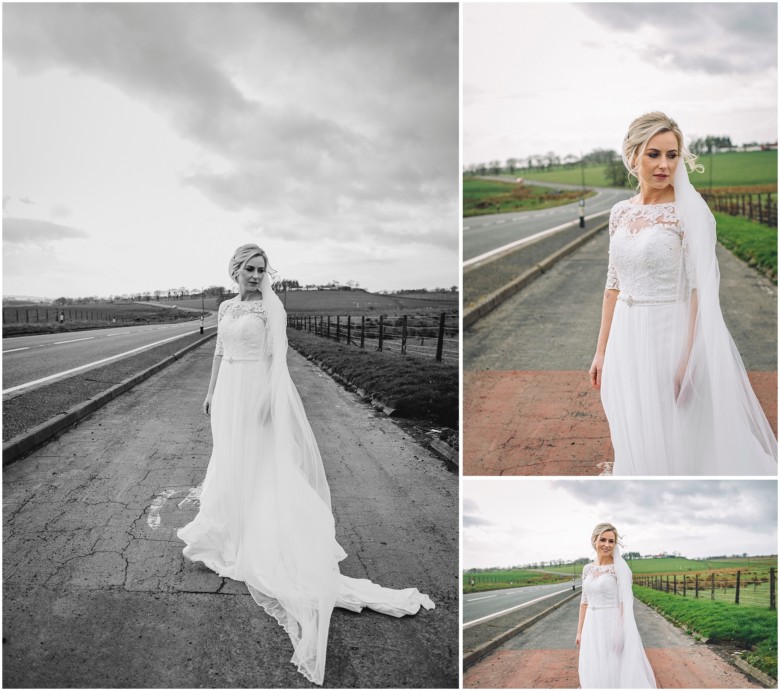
251,274
605,544
657,163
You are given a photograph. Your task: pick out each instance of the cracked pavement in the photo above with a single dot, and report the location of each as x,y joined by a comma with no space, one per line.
98,594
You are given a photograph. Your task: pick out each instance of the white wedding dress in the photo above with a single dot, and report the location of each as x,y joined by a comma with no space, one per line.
715,426
611,652
265,516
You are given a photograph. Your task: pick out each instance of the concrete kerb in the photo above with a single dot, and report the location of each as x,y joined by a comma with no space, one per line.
490,302
481,651
24,443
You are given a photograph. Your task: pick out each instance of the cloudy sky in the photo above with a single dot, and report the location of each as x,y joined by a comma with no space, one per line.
509,521
569,78
143,143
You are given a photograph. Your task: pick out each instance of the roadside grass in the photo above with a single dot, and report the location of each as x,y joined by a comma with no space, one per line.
751,627
417,388
482,197
733,169
750,241
517,578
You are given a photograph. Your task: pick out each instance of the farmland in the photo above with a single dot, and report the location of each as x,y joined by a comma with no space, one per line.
482,196
509,578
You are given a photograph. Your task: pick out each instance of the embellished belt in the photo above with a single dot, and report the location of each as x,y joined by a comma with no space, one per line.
631,301
239,360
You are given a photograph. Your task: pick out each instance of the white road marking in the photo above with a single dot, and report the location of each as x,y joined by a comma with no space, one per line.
14,350
193,497
512,609
153,519
481,598
73,340
523,241
97,362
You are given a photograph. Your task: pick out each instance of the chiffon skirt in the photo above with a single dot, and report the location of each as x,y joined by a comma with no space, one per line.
599,663
647,426
261,523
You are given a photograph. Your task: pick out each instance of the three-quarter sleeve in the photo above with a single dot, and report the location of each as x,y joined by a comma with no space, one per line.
613,282
220,350
584,597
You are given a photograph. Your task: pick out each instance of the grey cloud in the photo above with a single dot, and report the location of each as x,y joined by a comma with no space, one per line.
25,231
358,104
714,38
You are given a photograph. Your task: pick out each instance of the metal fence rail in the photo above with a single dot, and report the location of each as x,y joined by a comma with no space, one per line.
39,315
418,335
753,589
757,206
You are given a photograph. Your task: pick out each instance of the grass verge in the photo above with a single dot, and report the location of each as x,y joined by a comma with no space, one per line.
490,196
416,388
509,579
751,627
750,241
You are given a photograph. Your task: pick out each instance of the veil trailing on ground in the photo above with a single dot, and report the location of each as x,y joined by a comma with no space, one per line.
635,670
716,402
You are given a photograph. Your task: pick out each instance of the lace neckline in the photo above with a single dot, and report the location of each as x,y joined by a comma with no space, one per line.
630,203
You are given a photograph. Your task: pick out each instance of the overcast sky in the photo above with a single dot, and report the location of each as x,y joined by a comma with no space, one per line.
143,143
569,78
509,521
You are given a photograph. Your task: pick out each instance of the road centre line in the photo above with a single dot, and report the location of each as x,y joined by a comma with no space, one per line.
512,609
481,598
97,362
73,340
525,241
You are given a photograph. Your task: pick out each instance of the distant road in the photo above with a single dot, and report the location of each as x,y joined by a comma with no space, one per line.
27,359
485,603
484,233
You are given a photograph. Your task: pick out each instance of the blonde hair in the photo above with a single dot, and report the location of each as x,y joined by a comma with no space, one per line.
599,530
642,130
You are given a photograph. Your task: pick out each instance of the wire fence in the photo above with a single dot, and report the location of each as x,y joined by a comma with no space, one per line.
40,315
757,206
427,336
755,589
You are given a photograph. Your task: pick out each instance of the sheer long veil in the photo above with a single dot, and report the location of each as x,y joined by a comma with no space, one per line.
635,670
716,401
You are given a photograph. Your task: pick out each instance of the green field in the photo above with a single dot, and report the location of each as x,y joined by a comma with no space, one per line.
728,170
672,565
482,196
510,578
754,628
351,302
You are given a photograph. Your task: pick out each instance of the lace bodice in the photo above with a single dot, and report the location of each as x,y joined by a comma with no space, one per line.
241,330
599,586
647,254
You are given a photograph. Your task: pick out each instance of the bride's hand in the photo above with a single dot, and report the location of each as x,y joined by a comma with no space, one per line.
577,640
207,404
595,371
679,378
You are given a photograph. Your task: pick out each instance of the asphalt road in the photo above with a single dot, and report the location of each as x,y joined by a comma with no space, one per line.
27,359
545,656
96,590
484,233
483,604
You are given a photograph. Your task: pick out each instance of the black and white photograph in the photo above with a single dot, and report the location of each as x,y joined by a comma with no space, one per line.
231,345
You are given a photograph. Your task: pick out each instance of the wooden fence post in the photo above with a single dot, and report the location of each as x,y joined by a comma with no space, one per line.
697,586
349,329
381,330
328,326
772,590
338,329
675,584
685,581
736,597
403,335
362,331
440,343
712,586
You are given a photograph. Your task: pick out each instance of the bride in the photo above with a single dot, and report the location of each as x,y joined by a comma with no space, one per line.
265,515
611,651
673,386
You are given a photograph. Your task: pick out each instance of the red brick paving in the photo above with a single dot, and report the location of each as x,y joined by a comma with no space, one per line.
691,667
548,422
